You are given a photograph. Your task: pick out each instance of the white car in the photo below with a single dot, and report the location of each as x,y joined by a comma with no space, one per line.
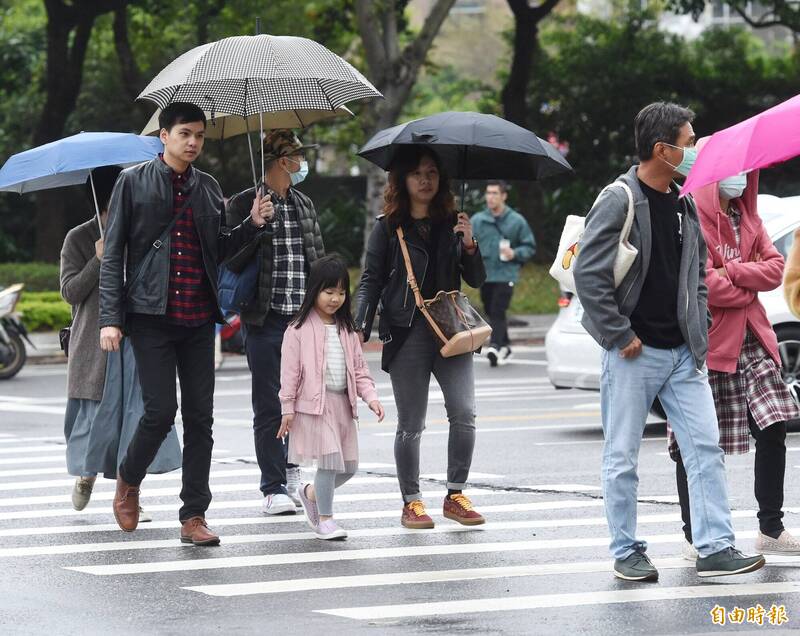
573,357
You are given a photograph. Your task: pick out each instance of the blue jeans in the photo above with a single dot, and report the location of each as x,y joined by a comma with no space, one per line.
627,390
263,348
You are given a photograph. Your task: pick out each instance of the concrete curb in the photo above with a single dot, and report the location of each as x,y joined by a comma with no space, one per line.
48,350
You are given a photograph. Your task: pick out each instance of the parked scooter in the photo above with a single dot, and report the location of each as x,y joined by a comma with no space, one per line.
12,348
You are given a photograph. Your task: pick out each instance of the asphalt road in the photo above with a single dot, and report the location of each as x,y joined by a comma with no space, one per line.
539,566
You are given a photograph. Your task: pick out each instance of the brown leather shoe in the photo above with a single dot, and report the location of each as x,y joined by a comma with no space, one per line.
126,505
196,531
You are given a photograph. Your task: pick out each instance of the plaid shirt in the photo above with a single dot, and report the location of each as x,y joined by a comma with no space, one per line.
288,258
755,388
189,301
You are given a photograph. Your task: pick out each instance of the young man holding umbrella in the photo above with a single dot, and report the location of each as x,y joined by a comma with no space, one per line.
291,242
166,215
654,332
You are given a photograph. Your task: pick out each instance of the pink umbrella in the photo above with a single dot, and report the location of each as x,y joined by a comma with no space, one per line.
763,140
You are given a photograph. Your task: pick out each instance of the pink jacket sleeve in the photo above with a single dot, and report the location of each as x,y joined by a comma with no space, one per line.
763,276
722,292
365,385
290,370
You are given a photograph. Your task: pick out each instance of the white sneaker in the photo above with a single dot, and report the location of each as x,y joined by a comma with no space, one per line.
82,492
329,529
785,544
279,504
144,517
491,353
688,552
505,354
293,476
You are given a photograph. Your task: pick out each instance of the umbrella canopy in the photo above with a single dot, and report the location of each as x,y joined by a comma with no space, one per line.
249,74
471,146
69,161
225,125
763,140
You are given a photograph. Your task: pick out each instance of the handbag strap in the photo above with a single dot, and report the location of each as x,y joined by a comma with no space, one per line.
412,282
159,242
630,215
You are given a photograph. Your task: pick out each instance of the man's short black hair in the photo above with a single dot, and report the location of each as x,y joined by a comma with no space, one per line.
661,121
500,184
180,113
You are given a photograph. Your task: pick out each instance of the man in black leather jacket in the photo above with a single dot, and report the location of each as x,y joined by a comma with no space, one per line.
158,280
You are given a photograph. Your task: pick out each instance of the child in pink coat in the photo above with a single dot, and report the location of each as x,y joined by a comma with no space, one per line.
323,372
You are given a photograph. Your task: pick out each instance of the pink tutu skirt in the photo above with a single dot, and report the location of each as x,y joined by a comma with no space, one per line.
328,441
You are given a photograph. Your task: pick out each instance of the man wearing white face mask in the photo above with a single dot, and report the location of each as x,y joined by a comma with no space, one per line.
743,360
653,328
289,244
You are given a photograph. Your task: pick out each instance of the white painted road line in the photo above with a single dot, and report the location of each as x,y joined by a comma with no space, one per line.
169,491
213,563
550,601
228,505
280,519
33,449
283,586
39,459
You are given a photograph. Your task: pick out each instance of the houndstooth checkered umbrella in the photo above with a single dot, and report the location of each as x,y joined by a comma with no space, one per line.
225,125
245,75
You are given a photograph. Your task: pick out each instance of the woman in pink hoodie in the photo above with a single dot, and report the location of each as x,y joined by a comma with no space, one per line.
743,360
323,372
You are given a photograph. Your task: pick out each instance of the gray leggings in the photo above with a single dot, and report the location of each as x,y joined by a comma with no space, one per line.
410,372
325,481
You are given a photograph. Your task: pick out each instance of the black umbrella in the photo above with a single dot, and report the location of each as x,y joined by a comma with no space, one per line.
471,146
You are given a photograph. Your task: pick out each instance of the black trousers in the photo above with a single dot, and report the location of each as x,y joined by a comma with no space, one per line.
263,348
770,467
496,298
160,349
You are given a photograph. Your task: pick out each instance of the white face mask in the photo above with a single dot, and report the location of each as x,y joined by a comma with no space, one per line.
297,177
733,187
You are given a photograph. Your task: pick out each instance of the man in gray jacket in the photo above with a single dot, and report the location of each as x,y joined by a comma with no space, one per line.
654,332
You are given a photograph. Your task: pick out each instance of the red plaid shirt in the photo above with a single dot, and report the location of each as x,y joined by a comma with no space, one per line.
189,300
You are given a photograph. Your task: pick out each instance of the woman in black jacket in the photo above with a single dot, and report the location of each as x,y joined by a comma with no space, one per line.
442,250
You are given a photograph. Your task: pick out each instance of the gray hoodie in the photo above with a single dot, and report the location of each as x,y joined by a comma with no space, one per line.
606,309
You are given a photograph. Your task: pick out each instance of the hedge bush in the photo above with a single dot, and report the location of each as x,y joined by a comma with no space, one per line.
37,277
41,315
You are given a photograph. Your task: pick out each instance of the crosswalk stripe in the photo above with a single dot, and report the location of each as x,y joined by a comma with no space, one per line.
506,429
549,601
176,476
213,563
390,531
169,491
434,576
227,505
38,459
239,539
375,514
33,449
19,440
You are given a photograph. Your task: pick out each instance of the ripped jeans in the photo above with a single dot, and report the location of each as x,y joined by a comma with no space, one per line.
410,372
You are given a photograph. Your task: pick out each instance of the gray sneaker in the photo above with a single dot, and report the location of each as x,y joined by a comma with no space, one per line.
636,567
82,492
727,562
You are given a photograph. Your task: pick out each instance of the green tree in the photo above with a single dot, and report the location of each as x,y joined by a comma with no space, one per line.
594,76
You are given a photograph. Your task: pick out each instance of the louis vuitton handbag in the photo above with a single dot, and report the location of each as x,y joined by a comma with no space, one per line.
455,323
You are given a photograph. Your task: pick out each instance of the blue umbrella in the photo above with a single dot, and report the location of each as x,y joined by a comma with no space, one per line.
70,161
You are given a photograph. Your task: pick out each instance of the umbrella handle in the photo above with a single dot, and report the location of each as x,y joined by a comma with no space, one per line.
96,206
252,160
